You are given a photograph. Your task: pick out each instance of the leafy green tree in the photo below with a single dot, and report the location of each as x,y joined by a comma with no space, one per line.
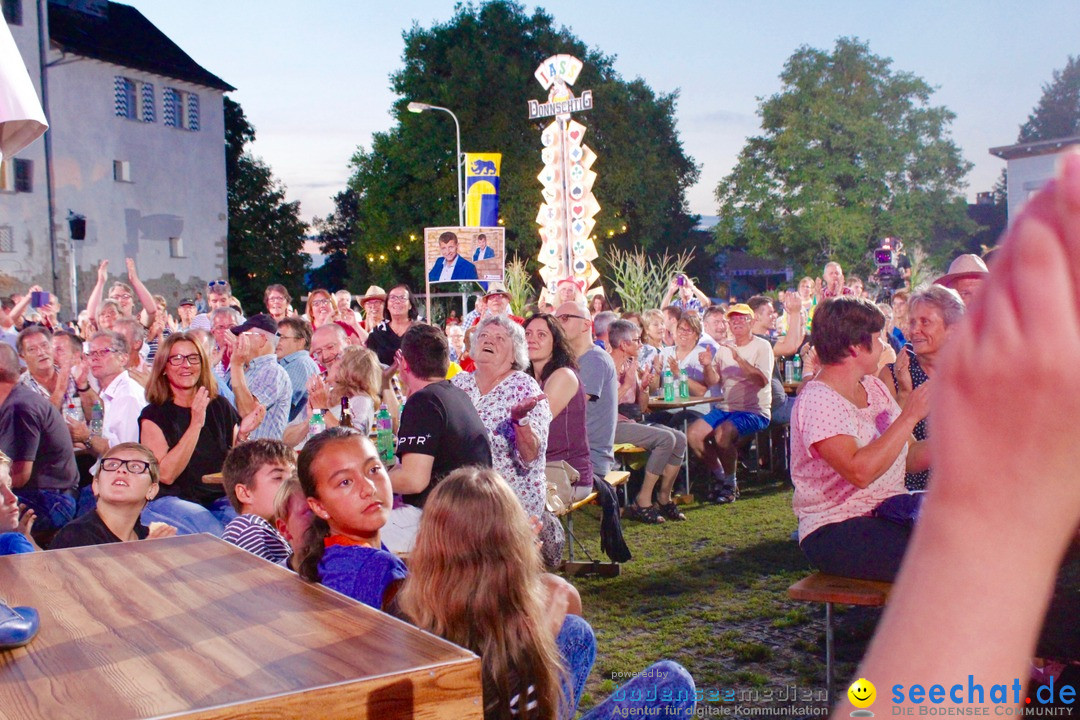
480,64
266,235
336,233
851,152
1058,113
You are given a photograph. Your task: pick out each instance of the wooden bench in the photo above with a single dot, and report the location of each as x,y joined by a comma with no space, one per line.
615,478
830,589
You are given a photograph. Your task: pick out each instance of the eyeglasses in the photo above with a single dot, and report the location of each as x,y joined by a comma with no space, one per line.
320,302
563,318
99,354
217,283
138,467
735,319
178,360
120,296
398,298
275,298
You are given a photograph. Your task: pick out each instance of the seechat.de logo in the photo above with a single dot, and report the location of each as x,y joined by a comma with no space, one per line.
862,694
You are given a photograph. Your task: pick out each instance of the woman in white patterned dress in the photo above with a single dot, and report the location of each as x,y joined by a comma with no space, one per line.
515,412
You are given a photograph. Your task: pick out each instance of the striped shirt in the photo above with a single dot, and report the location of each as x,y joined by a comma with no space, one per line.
252,533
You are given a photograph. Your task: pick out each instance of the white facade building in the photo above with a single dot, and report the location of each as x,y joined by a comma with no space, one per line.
136,146
1030,166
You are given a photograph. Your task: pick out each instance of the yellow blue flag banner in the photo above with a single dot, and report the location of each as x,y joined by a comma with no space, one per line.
482,189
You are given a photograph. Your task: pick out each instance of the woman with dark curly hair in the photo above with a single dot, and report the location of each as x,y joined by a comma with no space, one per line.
552,364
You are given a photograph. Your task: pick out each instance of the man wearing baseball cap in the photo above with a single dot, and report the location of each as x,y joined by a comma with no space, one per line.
255,377
966,275
187,311
744,367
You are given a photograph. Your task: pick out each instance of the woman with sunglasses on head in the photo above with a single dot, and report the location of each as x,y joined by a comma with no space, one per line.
126,480
123,294
190,429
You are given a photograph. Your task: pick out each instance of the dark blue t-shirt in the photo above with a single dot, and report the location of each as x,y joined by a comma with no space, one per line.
361,572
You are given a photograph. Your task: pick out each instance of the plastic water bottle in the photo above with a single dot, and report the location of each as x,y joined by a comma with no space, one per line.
97,419
71,412
789,370
669,385
797,362
684,385
316,424
384,434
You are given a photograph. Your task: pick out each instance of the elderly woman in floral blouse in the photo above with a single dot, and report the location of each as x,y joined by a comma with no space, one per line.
515,412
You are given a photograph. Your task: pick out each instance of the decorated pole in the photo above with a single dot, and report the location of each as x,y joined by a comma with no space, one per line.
566,216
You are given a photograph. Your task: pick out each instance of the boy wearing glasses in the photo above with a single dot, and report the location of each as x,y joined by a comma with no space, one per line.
127,479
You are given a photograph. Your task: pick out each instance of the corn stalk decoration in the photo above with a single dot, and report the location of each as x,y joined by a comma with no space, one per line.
640,280
519,285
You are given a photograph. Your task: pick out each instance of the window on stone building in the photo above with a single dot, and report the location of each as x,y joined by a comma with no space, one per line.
7,239
121,171
134,99
180,109
17,175
24,175
176,247
13,12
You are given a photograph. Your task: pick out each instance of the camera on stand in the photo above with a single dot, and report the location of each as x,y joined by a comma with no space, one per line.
887,259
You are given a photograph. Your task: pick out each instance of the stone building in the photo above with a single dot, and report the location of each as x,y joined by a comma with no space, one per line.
133,164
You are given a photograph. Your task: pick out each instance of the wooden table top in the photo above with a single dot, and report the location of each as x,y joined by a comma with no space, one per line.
194,627
679,403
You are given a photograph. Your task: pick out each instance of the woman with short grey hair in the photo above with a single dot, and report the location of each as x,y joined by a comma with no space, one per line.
932,314
517,416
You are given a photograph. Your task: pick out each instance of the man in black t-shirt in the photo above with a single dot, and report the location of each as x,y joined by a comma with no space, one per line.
440,429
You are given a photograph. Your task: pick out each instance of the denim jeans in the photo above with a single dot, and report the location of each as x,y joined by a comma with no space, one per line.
54,508
187,517
662,690
577,644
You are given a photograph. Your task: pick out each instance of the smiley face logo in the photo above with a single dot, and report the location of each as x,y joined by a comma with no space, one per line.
862,693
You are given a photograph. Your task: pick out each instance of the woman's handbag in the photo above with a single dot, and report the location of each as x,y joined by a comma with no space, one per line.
561,477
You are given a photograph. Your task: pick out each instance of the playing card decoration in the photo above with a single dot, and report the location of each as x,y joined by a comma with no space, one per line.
566,216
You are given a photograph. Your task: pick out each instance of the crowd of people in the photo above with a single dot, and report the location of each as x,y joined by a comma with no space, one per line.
129,423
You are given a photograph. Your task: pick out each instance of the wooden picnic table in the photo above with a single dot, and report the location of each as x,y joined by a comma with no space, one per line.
658,403
194,627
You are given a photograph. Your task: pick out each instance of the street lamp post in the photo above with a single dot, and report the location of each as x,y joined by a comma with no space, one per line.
419,107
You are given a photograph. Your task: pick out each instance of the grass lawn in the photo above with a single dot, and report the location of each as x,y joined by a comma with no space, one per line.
711,594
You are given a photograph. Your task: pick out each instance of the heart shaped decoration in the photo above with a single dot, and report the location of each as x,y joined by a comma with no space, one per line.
575,135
